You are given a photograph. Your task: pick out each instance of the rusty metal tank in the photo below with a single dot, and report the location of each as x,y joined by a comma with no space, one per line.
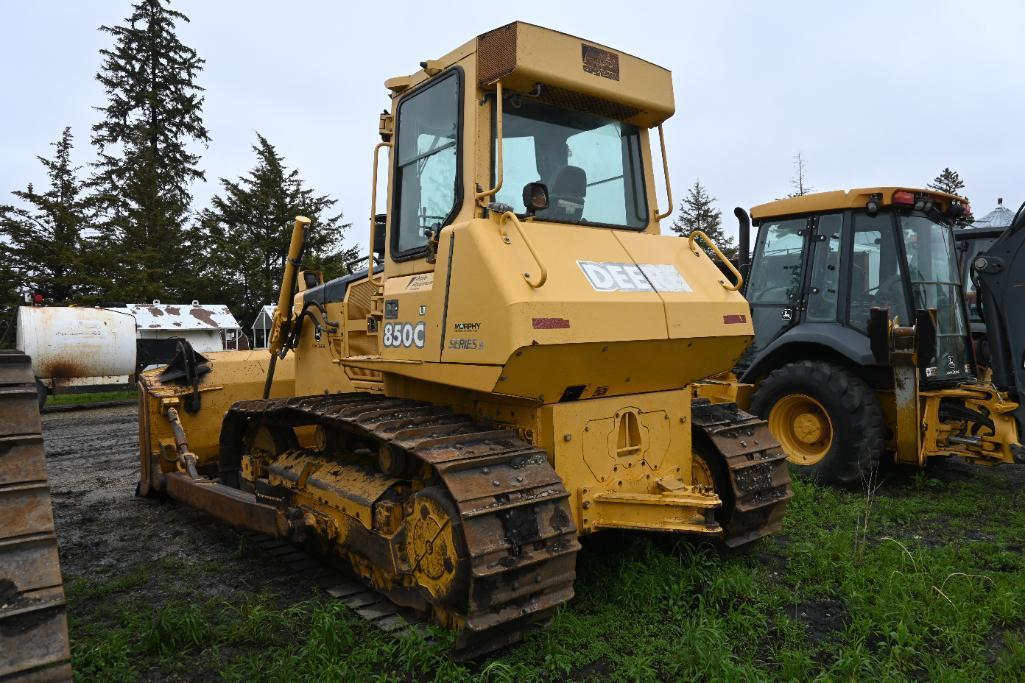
69,343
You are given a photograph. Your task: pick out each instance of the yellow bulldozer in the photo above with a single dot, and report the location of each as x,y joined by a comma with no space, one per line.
518,371
862,346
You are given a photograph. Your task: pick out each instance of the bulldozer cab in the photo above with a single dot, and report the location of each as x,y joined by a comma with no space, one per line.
822,262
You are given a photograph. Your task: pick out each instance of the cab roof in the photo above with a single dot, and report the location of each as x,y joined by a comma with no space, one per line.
837,200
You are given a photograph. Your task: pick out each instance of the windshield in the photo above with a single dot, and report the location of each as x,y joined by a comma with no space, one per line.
591,165
935,284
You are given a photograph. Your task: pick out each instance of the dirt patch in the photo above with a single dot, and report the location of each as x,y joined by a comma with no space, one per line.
599,668
821,618
106,533
996,639
940,474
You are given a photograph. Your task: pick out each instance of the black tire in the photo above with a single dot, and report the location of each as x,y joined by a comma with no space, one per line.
856,419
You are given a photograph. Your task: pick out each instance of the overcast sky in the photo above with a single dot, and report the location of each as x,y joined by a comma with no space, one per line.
869,92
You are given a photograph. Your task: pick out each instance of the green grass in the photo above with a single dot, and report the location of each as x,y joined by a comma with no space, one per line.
93,397
925,579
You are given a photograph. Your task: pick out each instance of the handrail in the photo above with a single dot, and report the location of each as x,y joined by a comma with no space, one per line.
665,172
722,257
373,213
510,216
498,146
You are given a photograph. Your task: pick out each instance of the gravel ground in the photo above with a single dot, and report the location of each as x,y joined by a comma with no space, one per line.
105,531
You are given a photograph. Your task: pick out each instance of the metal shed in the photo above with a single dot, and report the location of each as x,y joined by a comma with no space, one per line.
262,326
206,327
999,217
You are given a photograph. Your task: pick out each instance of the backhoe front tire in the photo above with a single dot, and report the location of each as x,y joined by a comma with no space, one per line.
826,418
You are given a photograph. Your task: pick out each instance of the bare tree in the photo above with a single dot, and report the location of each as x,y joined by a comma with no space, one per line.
799,182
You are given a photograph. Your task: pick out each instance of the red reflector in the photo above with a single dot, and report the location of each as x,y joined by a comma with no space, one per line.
734,318
903,197
551,324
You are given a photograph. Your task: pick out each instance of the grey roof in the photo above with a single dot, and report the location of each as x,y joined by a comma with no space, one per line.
999,217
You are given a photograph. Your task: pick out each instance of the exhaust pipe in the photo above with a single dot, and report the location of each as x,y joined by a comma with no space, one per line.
743,238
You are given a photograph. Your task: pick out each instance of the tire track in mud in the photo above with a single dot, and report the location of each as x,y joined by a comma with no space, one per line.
104,531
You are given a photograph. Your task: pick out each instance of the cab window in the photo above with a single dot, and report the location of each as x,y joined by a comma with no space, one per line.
876,277
825,269
591,165
426,166
776,270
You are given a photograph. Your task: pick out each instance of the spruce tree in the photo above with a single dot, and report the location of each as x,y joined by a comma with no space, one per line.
146,165
950,181
947,181
249,225
698,212
41,242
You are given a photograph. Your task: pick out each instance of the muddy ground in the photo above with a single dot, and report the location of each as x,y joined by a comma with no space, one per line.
805,597
106,531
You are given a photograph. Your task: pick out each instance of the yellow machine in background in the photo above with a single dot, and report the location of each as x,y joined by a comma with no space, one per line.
861,339
515,375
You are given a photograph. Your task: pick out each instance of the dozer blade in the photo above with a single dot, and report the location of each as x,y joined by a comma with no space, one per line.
33,626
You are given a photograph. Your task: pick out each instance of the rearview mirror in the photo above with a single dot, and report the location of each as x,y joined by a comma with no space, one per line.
380,220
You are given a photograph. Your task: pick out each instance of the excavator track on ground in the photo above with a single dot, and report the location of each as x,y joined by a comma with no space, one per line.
514,533
758,487
33,624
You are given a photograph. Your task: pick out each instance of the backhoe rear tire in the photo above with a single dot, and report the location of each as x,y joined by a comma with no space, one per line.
826,418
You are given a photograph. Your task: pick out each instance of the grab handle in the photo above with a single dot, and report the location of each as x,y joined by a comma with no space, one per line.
722,257
510,217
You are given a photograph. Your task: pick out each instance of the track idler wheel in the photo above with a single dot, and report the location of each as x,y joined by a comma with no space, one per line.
436,548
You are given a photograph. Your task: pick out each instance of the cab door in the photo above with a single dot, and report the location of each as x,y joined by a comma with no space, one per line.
775,288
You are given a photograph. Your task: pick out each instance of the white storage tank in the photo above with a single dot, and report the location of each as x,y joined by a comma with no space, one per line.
69,344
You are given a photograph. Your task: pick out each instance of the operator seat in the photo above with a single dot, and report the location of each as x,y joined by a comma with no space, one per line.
566,194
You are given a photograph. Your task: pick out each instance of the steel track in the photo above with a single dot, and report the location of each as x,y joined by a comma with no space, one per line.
514,511
33,624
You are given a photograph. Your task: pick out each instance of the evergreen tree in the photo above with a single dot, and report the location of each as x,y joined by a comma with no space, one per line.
41,242
248,229
698,212
947,181
9,299
950,181
145,165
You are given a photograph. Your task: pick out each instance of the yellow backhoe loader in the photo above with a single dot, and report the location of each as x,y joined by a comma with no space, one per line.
861,341
517,373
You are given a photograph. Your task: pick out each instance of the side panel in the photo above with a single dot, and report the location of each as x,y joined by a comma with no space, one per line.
492,310
703,307
617,445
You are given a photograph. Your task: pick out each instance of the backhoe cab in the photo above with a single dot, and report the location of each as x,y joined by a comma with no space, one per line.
861,338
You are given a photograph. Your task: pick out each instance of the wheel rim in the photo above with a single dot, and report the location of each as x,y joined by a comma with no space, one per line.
802,427
701,473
